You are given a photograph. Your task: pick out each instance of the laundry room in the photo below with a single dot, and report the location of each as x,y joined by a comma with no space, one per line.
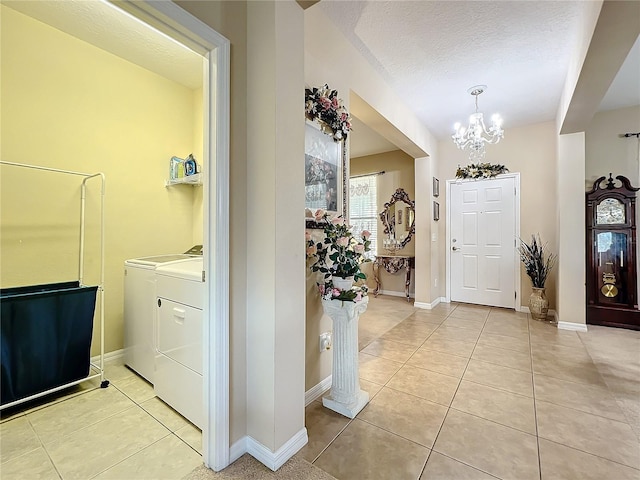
70,105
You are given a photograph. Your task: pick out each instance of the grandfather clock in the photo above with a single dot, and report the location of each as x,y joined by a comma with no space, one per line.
612,298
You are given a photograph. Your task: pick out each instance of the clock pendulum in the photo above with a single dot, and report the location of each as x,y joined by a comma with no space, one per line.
609,288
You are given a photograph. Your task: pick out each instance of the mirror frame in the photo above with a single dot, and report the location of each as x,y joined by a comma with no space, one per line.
400,196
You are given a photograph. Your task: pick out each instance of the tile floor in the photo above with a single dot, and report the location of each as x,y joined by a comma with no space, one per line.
120,432
470,392
458,392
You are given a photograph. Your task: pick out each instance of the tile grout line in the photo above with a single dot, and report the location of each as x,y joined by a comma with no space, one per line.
435,438
383,386
55,467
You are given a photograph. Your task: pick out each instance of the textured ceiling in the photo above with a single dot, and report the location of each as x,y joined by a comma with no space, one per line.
109,28
431,52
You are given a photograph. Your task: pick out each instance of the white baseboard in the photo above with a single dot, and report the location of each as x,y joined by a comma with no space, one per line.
238,449
274,460
428,306
576,327
109,356
317,391
393,293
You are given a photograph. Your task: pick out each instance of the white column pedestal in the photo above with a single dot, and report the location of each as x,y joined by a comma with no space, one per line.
345,396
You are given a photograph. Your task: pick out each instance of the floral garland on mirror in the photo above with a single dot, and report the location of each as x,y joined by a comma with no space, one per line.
324,105
480,170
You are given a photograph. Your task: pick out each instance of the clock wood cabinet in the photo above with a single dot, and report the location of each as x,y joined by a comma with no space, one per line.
611,254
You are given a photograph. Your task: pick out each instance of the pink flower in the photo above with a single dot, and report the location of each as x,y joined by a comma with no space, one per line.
358,297
366,234
359,248
337,220
325,103
336,292
319,214
312,250
321,289
342,241
335,103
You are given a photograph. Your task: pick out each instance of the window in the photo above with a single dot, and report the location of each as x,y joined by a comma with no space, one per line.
363,208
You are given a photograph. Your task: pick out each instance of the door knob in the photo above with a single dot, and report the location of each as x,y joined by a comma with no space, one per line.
455,249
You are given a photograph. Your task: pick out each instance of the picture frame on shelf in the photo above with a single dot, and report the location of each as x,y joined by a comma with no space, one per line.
436,187
325,166
436,211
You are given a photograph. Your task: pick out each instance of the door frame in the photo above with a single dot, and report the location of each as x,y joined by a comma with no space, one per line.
177,23
516,261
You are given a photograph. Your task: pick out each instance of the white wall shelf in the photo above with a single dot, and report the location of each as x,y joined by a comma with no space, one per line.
195,179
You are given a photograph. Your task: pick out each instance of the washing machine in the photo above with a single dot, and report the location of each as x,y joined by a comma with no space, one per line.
178,375
139,308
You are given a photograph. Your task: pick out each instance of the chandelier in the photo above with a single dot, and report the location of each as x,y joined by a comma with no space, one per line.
477,135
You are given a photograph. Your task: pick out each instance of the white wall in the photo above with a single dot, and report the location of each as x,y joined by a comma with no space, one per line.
530,150
275,250
571,303
330,58
607,151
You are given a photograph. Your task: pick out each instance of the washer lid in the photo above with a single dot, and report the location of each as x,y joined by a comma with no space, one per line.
160,259
190,270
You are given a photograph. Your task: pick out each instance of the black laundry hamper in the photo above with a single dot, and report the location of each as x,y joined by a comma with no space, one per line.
45,333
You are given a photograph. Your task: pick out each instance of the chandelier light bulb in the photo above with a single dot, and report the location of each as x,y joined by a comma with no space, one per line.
477,135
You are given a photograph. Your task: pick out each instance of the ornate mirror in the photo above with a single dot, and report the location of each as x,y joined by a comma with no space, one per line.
398,220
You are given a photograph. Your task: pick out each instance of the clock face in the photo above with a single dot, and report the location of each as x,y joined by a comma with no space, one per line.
610,211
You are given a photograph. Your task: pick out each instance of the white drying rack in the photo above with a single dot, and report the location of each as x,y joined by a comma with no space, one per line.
100,367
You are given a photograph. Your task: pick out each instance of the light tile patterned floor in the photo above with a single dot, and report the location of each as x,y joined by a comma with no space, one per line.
470,392
458,392
121,432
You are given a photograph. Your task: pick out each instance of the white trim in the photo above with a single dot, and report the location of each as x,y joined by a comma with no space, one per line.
109,356
576,327
517,280
317,391
274,460
172,20
429,306
393,293
238,449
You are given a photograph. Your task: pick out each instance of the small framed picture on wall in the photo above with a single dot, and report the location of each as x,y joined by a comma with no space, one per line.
436,187
436,211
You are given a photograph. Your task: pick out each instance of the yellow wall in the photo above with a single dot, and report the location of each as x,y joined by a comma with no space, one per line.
69,105
399,173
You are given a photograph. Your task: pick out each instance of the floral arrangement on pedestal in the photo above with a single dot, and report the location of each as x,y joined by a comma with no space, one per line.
480,170
338,257
324,105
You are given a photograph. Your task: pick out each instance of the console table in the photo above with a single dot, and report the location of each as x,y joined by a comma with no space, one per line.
393,264
346,397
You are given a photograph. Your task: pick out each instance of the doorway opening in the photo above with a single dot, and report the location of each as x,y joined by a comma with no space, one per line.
170,21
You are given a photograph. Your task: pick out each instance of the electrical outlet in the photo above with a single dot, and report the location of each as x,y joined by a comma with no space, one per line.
326,341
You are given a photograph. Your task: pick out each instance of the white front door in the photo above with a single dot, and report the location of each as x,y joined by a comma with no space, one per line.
482,241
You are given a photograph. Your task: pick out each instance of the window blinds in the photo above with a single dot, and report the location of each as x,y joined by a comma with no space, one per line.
363,206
